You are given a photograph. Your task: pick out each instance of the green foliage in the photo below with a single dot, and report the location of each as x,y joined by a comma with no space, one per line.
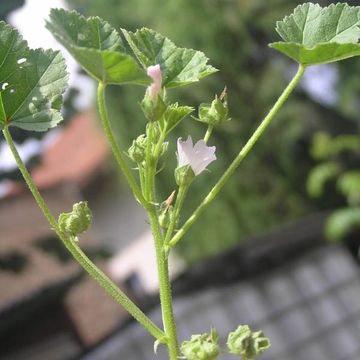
96,46
324,147
32,83
179,66
349,185
315,35
320,175
330,150
173,115
247,343
341,223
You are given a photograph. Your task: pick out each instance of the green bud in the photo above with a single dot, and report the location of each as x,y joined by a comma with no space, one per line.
77,221
246,343
184,175
153,110
137,150
201,347
165,217
215,113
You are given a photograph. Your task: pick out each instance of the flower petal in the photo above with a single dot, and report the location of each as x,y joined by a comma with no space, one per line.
185,150
198,156
203,156
154,72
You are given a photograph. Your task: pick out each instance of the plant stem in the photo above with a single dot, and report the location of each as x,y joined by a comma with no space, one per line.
165,288
161,255
78,254
115,148
208,133
236,162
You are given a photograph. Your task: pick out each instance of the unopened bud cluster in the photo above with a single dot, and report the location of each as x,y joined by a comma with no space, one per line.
247,343
201,347
215,113
77,221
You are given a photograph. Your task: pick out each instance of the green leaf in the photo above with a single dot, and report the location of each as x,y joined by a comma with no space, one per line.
96,46
349,185
32,83
179,66
314,35
342,222
320,175
174,114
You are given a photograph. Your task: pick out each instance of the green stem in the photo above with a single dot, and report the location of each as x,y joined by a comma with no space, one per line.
117,152
234,165
78,254
141,177
161,255
208,133
165,288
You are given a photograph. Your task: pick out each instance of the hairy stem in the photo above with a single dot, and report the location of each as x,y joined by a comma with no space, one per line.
234,165
161,255
78,254
115,148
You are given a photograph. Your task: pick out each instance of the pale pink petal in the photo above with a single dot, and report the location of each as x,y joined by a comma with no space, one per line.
198,156
185,149
154,72
203,156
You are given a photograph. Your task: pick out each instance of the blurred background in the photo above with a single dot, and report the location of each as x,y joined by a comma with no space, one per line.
283,244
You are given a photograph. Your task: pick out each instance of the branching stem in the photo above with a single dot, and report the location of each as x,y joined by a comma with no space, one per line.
234,165
109,286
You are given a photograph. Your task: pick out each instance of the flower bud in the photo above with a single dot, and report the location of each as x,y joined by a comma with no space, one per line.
153,105
77,221
201,347
154,89
165,217
153,110
137,150
184,175
216,112
246,343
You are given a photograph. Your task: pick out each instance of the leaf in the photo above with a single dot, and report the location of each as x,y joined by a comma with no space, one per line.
179,66
349,185
314,35
174,114
96,46
342,222
320,175
32,83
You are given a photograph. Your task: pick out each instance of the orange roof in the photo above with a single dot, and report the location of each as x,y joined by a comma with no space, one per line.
75,155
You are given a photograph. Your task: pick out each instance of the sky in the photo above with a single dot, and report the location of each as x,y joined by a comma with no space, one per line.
30,21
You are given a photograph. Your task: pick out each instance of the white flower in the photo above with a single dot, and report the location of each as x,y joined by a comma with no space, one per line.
154,72
198,156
